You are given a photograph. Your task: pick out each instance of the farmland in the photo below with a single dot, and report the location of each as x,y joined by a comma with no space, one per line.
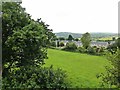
107,38
80,68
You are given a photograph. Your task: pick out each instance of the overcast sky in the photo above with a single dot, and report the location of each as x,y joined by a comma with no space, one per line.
78,16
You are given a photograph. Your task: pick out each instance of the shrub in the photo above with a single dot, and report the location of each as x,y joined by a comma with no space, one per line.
111,77
61,44
34,77
76,39
81,49
94,46
70,46
53,43
112,48
102,51
91,50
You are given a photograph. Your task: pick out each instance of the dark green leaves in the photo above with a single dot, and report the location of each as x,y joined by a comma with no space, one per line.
86,40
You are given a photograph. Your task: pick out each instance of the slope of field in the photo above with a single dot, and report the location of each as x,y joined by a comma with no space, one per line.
81,68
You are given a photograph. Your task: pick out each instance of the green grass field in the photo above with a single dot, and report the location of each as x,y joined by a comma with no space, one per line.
81,68
107,38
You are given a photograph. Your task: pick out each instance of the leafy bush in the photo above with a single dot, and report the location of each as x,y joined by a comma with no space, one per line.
35,77
53,43
81,49
61,38
94,46
86,40
70,46
96,50
102,51
91,50
112,48
112,76
61,44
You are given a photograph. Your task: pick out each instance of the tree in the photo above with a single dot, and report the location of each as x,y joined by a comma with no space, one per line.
91,50
70,38
61,38
21,37
113,38
70,46
25,43
76,39
62,44
86,40
13,18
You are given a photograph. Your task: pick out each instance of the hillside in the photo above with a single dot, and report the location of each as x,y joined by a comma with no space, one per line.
80,68
79,35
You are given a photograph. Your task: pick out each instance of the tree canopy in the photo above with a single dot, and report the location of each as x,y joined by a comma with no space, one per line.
25,42
21,37
86,40
70,37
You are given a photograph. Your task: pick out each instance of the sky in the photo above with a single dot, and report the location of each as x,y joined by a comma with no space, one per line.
77,16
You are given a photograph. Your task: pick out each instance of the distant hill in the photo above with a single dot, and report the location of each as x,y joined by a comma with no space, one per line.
79,35
66,34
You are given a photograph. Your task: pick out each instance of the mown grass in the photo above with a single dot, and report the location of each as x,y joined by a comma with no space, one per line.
81,68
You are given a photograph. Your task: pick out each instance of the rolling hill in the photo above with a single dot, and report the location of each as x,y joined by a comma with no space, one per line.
79,35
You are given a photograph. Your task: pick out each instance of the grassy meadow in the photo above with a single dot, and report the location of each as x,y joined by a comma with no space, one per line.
107,38
80,68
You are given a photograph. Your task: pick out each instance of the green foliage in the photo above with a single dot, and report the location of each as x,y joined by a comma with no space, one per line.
61,38
103,51
62,44
35,77
94,50
81,49
76,39
70,46
91,50
24,40
70,37
86,40
112,75
13,18
25,43
53,43
113,47
118,42
113,38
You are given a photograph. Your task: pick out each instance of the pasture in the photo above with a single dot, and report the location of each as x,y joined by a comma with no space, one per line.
80,68
107,38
